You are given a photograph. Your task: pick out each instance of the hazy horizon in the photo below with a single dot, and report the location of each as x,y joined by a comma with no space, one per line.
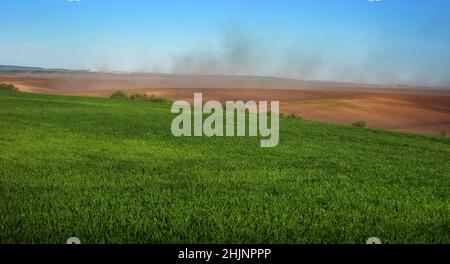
379,42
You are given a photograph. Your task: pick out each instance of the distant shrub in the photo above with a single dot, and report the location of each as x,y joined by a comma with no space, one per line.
119,95
294,116
157,99
9,87
444,133
282,115
140,97
136,96
360,124
149,98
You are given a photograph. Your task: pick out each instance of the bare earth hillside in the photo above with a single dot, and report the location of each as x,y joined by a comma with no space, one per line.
407,109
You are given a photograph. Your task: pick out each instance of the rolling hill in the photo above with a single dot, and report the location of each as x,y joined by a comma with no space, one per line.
110,171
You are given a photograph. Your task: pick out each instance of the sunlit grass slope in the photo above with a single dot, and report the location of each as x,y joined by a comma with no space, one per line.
110,171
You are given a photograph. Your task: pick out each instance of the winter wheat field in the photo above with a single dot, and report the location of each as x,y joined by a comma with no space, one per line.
110,171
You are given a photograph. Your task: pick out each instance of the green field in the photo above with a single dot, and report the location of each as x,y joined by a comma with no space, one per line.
110,171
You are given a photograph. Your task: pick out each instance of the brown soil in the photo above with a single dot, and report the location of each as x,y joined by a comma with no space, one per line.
412,109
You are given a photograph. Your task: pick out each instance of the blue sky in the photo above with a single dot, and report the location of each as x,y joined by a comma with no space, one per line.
389,41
